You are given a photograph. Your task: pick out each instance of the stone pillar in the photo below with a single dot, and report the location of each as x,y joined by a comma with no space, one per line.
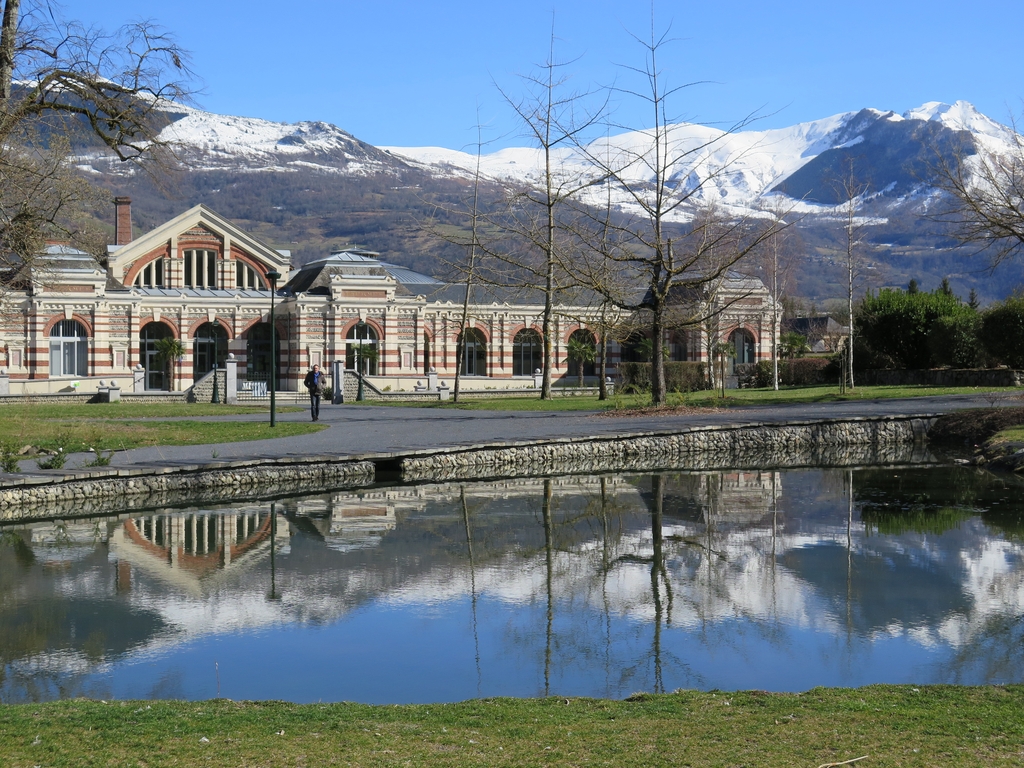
432,379
139,377
114,392
443,391
5,382
538,378
231,380
338,379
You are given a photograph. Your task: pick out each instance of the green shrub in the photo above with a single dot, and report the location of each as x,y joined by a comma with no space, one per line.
953,340
679,377
59,457
9,457
799,372
1002,331
895,325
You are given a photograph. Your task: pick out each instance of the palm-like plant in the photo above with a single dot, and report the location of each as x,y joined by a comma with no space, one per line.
793,344
581,352
169,349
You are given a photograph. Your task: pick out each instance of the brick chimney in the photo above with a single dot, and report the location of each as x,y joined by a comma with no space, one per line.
123,220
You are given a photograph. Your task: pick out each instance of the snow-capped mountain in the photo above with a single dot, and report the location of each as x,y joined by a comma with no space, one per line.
740,168
312,186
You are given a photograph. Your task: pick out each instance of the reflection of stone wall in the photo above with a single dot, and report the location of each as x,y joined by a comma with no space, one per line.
114,493
833,443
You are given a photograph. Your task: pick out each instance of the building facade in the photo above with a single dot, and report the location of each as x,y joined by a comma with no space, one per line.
201,280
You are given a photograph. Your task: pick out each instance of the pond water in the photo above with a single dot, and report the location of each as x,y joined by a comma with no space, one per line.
574,586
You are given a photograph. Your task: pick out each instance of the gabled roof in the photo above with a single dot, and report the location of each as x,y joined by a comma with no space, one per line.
196,216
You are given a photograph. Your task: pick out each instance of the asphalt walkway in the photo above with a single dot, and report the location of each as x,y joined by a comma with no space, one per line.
363,430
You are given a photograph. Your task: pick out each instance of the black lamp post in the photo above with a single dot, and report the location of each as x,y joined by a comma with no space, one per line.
273,276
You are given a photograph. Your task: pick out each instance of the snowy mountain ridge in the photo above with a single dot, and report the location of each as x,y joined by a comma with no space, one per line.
737,169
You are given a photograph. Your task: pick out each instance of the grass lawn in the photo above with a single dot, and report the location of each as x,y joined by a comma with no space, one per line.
110,426
885,725
706,399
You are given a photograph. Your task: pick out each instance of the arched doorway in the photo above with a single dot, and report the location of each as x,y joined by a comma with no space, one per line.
585,338
527,352
359,339
257,354
474,356
69,349
149,355
209,346
743,344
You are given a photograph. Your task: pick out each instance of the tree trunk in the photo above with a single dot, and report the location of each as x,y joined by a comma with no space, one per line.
658,347
7,39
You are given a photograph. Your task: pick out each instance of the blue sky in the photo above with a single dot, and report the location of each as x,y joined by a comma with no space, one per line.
405,73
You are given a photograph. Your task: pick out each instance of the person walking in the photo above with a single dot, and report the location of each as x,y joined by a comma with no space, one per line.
314,382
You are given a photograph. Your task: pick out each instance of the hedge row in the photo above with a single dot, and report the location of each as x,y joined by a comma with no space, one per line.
679,377
799,372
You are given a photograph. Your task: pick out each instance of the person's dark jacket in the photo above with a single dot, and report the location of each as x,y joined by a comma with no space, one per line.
314,382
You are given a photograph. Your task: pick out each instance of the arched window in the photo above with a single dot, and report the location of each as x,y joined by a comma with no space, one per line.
153,275
69,349
527,352
362,345
209,346
247,277
474,356
149,355
586,339
257,353
743,341
200,269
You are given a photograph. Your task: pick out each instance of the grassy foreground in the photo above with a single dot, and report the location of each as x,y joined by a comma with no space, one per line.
119,426
708,399
886,725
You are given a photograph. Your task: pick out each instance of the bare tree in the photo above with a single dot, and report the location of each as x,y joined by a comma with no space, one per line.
849,191
986,194
61,80
776,267
552,116
472,247
671,238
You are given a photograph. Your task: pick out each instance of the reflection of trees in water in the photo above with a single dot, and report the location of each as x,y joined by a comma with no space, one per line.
923,500
605,575
992,656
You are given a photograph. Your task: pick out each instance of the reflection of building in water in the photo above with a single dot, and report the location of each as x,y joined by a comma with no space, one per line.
348,521
723,498
192,550
355,519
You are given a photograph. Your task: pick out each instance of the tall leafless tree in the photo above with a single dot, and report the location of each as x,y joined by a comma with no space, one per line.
849,191
555,120
671,239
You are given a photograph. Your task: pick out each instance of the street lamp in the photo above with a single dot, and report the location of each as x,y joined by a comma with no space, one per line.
273,276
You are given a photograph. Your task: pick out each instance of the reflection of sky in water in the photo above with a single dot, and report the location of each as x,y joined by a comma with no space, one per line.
373,596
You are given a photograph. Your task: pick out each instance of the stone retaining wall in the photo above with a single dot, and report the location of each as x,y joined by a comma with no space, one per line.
124,490
833,442
847,442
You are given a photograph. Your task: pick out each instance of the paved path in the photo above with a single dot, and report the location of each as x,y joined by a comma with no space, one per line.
360,430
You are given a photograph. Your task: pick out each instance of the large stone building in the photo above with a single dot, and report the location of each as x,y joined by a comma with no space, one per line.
200,279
